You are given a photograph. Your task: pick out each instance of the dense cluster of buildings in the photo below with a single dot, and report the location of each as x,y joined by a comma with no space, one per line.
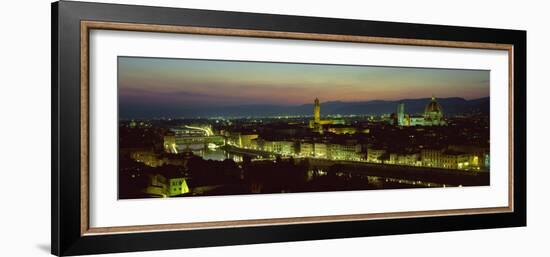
324,150
154,150
288,142
450,157
446,158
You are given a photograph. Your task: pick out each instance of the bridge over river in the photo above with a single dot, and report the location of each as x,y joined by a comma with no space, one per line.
200,140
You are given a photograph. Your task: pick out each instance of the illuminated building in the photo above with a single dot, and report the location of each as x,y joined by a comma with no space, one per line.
431,158
446,159
375,155
406,120
283,147
478,156
170,143
400,114
317,111
317,123
279,147
411,159
242,140
455,160
233,138
320,150
433,115
178,186
416,121
408,159
254,144
248,140
306,149
349,152
161,186
343,130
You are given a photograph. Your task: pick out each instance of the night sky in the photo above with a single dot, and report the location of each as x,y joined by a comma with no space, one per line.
162,86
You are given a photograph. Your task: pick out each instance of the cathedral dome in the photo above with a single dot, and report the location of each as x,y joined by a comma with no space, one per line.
433,107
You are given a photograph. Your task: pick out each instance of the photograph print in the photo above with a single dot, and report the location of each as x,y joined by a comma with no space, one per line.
193,127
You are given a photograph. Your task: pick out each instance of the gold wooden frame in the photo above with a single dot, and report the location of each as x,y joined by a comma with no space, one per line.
86,26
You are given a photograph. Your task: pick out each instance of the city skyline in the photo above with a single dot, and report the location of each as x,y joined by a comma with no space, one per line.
164,87
203,128
198,157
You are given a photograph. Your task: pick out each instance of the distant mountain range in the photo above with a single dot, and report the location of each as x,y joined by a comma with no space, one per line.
451,106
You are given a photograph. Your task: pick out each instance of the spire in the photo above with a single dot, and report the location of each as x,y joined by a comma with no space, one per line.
433,97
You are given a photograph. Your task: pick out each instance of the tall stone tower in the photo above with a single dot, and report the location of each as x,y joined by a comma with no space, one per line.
317,111
400,114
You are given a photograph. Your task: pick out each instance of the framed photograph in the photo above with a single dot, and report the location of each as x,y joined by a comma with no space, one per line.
178,128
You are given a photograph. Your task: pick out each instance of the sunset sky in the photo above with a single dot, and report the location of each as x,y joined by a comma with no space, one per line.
180,83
